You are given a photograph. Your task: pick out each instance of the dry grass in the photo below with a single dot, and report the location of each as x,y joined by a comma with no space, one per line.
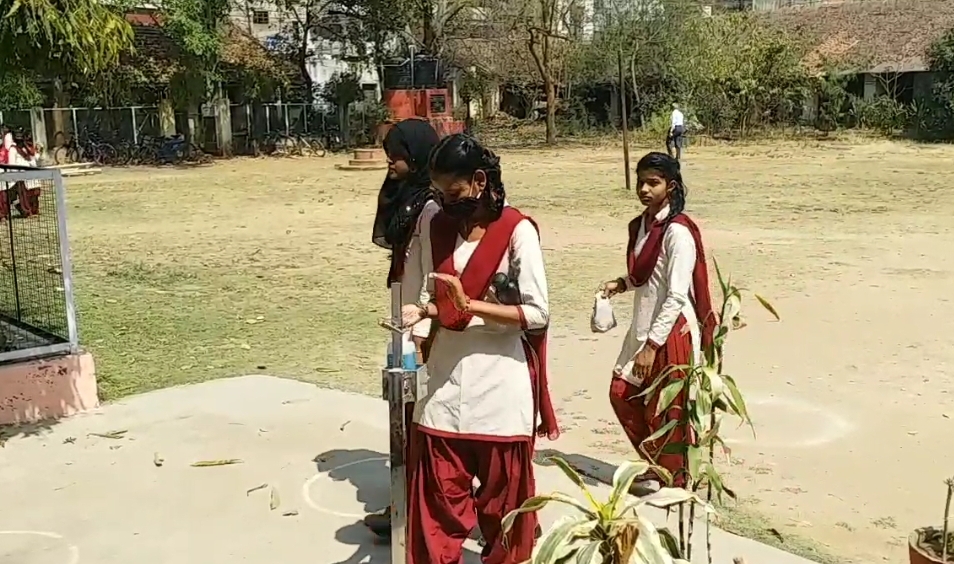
267,266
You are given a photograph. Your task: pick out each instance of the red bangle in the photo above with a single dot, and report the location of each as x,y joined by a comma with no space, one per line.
651,344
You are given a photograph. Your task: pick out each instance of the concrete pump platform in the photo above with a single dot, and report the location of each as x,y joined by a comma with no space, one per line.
117,485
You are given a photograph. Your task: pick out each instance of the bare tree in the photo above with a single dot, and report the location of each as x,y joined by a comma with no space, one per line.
551,25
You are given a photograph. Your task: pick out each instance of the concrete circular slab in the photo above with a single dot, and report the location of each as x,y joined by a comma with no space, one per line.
786,422
325,491
37,547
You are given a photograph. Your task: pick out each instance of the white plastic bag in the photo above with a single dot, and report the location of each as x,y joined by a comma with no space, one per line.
603,317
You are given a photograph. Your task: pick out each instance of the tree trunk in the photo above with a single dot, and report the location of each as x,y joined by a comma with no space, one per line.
303,60
551,110
427,23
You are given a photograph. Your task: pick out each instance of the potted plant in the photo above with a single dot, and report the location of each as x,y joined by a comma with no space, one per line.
606,532
930,545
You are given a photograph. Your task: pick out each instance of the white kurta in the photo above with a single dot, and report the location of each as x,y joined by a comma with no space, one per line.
658,304
415,270
479,381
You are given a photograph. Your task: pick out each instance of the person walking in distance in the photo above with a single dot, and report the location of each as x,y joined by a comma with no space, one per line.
673,318
677,132
487,399
406,201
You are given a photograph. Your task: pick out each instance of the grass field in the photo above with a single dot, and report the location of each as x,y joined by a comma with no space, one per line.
267,266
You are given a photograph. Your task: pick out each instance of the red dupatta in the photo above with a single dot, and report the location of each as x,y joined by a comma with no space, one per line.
641,267
475,280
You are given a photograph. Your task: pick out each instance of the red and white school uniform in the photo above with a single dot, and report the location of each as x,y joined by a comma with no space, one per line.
668,276
486,393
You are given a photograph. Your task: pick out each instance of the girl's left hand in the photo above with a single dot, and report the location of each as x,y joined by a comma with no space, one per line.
454,288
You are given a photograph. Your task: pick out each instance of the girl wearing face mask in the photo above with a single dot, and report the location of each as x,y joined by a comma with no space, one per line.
672,312
405,203
487,396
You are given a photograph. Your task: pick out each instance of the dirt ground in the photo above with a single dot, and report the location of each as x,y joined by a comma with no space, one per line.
184,275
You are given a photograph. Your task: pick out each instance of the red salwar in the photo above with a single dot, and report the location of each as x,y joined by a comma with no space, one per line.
443,508
636,414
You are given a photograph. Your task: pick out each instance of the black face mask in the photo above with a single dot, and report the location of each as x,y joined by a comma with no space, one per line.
461,209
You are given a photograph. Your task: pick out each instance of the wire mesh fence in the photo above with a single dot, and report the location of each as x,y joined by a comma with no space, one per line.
37,316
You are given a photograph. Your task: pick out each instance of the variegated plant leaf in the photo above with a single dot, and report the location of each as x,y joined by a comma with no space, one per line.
552,545
623,479
590,553
649,547
574,477
664,498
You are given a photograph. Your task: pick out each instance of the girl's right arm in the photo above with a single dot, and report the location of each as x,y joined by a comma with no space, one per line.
424,263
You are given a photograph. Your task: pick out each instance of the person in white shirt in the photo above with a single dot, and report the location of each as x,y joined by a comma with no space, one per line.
677,132
487,398
673,318
406,202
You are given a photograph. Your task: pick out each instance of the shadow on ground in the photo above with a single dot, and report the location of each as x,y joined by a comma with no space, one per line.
369,473
25,430
594,472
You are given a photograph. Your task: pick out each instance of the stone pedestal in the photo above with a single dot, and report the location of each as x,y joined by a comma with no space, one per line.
47,388
365,159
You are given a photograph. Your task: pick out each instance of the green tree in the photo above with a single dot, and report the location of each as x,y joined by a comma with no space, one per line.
199,27
648,37
67,39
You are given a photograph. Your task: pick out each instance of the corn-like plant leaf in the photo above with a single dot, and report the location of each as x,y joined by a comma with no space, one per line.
694,459
662,379
712,434
673,448
732,309
713,380
553,542
574,477
622,480
722,285
590,554
669,393
717,440
661,431
738,401
715,481
771,309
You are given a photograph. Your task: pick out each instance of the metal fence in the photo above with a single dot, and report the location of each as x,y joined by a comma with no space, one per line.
37,312
129,126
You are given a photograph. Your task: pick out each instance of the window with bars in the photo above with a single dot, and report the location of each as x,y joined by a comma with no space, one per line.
260,17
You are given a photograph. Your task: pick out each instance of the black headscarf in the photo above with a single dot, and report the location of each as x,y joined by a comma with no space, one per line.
400,201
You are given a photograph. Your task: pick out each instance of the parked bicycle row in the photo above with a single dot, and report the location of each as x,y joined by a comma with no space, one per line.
151,150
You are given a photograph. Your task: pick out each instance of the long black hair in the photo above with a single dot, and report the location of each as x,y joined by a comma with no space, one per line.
400,201
460,156
671,171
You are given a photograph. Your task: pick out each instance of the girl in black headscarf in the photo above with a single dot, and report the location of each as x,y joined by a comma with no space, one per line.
405,202
406,190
